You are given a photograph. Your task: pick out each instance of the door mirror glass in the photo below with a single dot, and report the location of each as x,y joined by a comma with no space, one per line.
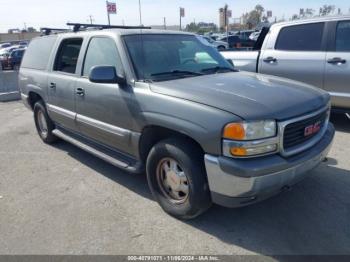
105,74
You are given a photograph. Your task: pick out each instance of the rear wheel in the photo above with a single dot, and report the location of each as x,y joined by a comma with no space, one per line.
43,123
177,178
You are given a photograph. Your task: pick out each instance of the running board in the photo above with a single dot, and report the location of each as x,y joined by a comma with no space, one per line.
113,158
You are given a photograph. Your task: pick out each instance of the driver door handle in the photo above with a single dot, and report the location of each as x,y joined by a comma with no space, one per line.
80,91
336,61
52,85
270,60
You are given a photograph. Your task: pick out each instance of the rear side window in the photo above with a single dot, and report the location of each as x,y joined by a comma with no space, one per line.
102,51
306,37
67,55
343,37
38,53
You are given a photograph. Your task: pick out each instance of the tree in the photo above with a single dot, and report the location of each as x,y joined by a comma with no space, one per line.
295,17
326,10
254,17
192,27
309,12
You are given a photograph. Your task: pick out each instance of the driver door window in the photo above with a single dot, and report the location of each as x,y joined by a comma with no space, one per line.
102,51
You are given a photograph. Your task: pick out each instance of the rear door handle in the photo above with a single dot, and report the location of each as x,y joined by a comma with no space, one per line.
336,61
270,60
80,91
52,85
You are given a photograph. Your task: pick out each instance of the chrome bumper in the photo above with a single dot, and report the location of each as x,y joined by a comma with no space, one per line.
25,101
239,182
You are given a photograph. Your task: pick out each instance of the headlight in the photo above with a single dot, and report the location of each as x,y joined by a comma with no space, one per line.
250,130
250,138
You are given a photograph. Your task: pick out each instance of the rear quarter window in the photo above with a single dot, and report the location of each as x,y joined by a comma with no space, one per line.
38,53
307,37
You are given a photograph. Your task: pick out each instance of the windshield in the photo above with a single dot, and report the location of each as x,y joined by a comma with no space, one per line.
164,57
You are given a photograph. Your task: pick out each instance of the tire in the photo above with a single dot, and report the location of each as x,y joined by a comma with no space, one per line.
43,123
190,162
221,48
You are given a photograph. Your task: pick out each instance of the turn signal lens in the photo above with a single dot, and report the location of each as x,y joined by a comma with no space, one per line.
238,151
234,131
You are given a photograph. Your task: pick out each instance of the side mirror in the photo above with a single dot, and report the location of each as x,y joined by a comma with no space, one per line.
105,75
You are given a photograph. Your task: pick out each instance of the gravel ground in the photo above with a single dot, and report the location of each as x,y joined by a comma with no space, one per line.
60,200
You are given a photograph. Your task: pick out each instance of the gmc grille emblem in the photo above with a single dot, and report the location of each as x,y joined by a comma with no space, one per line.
312,129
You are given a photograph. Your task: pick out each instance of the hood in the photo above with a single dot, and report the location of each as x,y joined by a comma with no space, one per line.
247,95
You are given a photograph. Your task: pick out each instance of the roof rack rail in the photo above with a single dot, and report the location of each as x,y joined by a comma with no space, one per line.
77,26
48,30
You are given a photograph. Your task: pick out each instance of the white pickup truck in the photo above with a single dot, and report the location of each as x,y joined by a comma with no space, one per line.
315,51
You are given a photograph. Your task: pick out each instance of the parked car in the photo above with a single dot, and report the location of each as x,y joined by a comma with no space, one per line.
15,58
23,43
220,45
244,34
4,60
166,104
5,56
315,51
8,50
235,41
4,45
255,35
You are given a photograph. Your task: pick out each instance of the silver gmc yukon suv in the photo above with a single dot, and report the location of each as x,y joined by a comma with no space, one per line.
168,104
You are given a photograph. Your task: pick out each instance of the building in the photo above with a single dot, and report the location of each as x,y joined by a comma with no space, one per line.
9,37
222,17
168,27
206,26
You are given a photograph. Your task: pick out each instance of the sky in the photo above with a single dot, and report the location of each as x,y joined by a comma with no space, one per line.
56,13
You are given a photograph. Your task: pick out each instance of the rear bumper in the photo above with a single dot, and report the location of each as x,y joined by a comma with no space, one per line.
240,182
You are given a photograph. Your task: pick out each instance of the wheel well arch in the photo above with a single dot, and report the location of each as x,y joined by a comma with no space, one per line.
33,97
153,134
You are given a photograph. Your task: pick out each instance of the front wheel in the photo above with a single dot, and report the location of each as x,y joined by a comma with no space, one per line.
177,178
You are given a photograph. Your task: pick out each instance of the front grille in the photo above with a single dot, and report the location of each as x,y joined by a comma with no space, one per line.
294,133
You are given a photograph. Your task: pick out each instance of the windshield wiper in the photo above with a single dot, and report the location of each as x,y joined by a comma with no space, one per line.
178,72
217,69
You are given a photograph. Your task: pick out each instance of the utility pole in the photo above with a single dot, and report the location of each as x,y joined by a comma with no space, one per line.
91,19
109,19
140,12
182,14
226,21
180,20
